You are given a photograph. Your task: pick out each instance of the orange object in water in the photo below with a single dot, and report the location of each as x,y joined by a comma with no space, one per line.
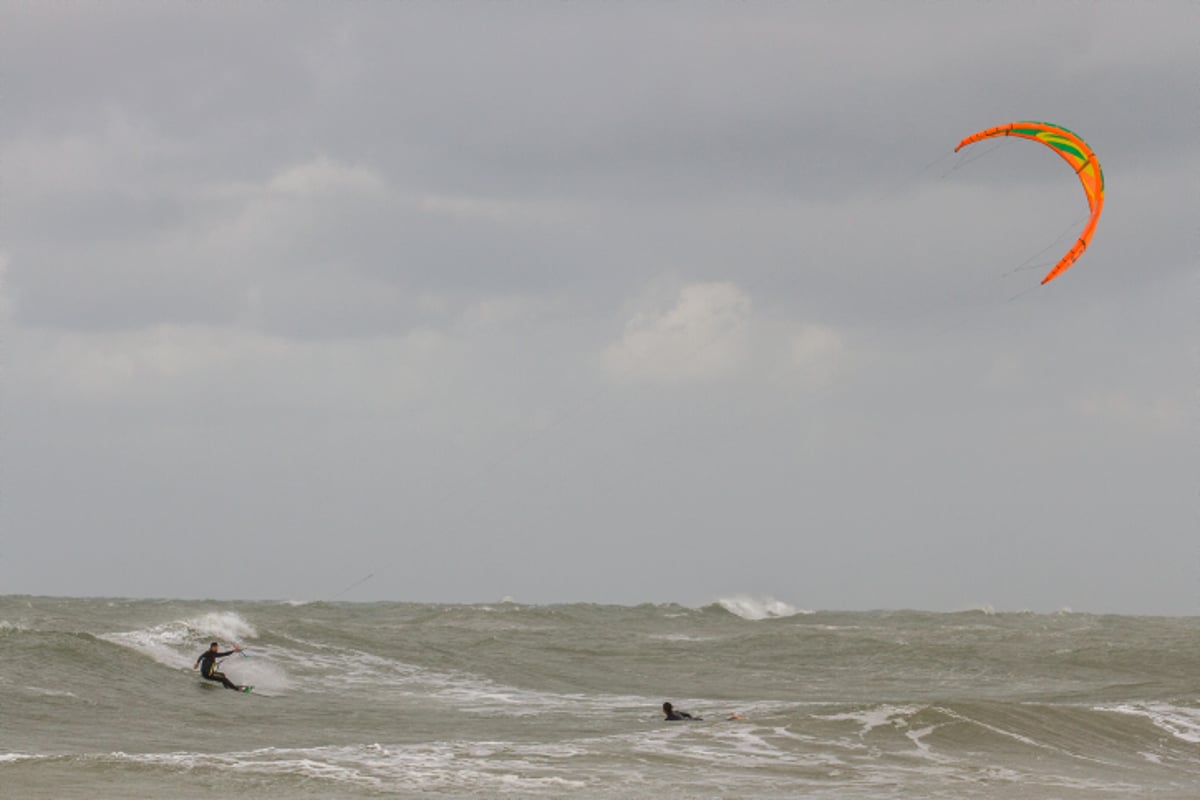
1074,151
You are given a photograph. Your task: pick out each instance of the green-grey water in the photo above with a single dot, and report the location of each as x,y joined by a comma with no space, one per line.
98,699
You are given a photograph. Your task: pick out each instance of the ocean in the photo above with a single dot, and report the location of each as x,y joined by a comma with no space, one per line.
98,699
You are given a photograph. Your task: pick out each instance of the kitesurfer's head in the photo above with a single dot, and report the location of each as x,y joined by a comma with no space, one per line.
667,708
212,646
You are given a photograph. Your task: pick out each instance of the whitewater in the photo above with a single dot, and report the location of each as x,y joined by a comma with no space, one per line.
98,699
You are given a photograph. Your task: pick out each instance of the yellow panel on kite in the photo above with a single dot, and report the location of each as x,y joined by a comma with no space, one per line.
1074,151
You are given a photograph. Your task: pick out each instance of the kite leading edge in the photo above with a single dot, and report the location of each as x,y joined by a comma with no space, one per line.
1074,151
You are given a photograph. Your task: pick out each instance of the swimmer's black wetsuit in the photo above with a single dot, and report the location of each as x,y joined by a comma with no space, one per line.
677,715
208,668
670,713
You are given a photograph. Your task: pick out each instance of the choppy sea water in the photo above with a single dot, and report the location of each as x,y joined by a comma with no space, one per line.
98,699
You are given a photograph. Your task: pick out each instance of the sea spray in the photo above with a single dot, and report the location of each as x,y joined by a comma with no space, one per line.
756,607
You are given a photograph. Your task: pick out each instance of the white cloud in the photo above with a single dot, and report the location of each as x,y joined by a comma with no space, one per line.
120,152
125,362
817,353
1144,415
1005,372
322,176
291,193
702,337
170,365
499,311
492,209
713,332
295,216
6,305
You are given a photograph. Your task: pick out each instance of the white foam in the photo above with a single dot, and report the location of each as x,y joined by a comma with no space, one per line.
221,625
731,746
50,692
471,767
483,696
7,757
876,717
756,607
1180,721
918,735
161,644
682,637
340,668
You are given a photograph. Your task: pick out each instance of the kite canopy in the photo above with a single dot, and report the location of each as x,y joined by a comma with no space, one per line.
1074,151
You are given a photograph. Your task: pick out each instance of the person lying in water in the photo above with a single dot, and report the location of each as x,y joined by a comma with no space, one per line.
207,664
672,714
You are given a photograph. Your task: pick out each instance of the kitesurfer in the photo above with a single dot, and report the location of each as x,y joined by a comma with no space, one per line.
207,664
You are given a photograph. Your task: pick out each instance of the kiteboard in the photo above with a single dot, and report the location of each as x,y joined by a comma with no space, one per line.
210,685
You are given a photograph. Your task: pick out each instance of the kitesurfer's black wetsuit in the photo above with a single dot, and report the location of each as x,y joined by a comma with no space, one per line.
208,668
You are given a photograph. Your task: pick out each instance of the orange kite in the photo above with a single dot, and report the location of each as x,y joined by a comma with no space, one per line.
1074,151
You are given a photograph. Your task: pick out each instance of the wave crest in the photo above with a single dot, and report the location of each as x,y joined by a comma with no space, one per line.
172,643
756,607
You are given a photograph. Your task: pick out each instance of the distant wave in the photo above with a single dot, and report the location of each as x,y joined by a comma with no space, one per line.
987,609
756,607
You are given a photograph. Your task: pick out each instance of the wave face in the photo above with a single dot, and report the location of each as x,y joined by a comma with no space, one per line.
99,699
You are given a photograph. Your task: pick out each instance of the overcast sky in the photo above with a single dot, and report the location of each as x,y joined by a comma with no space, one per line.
609,302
